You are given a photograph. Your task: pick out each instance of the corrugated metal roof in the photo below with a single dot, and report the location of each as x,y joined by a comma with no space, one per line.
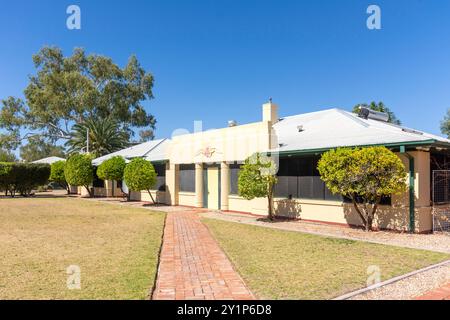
137,151
49,160
333,128
159,153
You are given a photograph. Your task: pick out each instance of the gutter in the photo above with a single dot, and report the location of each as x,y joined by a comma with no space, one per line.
387,145
410,158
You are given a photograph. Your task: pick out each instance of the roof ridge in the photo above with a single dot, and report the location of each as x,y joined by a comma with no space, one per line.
161,141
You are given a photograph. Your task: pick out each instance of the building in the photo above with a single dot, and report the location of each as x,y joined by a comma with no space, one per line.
114,188
201,169
49,160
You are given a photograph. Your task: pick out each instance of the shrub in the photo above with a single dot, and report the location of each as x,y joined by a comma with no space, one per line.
112,169
140,175
23,177
79,171
57,174
364,175
257,179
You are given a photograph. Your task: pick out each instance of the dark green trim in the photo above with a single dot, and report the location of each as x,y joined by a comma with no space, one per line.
387,145
159,161
412,218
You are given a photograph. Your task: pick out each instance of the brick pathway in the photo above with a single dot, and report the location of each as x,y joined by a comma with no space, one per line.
442,293
192,265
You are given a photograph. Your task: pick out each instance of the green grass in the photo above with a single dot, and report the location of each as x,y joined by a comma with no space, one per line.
116,248
280,264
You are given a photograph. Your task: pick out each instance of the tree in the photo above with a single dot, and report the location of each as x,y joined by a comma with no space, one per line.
105,136
445,124
365,175
57,174
112,169
380,107
7,156
37,148
140,175
79,171
146,135
72,89
257,179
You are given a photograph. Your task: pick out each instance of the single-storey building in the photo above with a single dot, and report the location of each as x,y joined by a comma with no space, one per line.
201,169
49,160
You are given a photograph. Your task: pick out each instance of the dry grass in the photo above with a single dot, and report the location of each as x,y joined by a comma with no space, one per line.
115,247
280,264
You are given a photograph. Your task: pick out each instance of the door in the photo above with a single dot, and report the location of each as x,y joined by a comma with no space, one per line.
212,188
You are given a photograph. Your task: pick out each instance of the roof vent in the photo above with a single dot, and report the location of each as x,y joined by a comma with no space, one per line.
367,113
412,131
232,123
300,128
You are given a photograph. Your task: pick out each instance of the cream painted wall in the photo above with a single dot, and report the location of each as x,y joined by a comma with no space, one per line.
158,196
187,199
227,144
389,217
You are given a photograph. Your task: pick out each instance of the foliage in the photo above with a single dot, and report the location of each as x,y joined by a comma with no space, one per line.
112,169
22,177
381,108
57,173
140,175
445,124
146,135
257,179
7,156
37,148
105,136
71,89
364,175
79,171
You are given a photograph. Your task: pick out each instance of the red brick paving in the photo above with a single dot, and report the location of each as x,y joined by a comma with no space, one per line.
442,293
192,265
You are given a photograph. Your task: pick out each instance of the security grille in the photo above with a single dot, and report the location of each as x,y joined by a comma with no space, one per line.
441,200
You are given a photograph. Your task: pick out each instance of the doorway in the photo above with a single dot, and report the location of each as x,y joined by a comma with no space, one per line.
211,187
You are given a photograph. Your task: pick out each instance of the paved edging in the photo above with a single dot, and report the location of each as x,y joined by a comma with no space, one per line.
390,281
441,293
192,264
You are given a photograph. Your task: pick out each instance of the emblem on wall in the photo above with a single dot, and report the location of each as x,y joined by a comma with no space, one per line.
207,152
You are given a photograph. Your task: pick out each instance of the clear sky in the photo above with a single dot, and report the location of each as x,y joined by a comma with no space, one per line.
218,60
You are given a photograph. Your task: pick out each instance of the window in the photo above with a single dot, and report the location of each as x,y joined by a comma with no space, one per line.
160,169
187,177
299,178
234,174
97,182
385,201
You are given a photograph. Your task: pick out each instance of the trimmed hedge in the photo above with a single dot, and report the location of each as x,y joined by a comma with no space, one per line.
57,174
79,171
22,177
140,175
112,169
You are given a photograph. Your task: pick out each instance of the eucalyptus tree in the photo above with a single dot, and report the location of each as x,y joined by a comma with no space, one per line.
70,90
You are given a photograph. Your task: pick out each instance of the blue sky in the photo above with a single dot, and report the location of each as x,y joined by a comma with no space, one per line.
218,60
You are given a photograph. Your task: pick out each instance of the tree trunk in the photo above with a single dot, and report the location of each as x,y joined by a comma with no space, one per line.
270,203
90,192
361,216
149,192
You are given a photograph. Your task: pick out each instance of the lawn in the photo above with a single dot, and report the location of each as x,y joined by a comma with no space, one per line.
116,249
280,264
